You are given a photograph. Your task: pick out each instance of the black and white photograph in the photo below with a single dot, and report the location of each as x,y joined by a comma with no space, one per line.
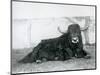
52,37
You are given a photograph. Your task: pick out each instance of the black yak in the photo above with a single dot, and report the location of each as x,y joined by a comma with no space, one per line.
74,40
61,48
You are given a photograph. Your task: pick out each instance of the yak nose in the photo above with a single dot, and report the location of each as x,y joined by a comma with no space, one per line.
75,40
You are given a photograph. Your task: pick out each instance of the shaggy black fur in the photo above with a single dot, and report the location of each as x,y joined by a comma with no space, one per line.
61,48
77,48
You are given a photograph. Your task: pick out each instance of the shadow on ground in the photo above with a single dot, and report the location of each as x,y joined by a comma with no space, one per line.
72,64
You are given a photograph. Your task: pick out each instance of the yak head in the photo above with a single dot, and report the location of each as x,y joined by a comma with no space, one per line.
74,33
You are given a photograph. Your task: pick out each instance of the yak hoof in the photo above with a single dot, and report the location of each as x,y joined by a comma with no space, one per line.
87,57
44,59
56,58
38,61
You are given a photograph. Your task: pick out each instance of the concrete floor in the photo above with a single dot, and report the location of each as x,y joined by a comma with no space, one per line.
71,64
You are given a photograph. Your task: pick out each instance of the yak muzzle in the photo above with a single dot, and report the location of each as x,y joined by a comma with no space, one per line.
75,40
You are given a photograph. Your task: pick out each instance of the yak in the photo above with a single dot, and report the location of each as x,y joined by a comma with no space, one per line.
74,41
64,47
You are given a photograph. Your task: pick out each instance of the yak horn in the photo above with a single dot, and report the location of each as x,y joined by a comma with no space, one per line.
60,30
84,28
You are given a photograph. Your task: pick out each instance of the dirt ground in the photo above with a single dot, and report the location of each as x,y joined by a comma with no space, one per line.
71,64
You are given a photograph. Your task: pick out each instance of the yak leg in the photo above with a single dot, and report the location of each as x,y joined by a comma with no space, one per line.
86,54
42,56
68,53
81,54
41,60
59,55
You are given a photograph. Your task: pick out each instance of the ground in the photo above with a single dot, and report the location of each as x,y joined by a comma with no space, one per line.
71,64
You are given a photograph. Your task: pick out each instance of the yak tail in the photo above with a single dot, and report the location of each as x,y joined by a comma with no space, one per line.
31,57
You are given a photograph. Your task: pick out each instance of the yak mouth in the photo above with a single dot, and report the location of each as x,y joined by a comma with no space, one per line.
75,40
